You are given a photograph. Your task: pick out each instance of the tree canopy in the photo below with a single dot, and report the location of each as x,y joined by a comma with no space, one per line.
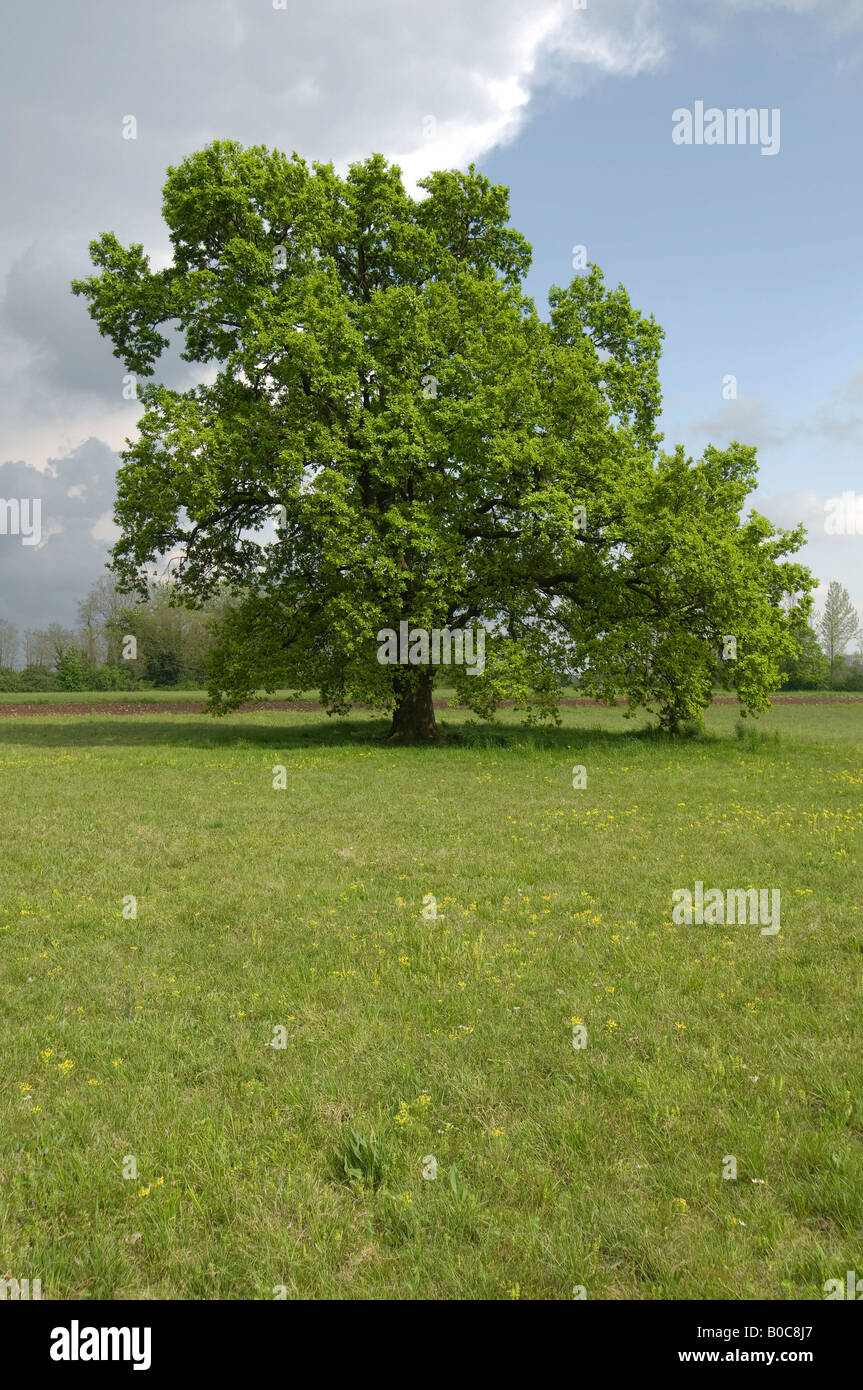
377,384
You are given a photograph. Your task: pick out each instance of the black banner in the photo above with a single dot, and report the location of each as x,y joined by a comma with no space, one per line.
84,1340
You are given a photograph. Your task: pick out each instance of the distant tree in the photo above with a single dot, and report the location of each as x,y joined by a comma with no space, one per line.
808,668
99,614
90,633
9,643
838,625
37,651
48,645
174,643
70,671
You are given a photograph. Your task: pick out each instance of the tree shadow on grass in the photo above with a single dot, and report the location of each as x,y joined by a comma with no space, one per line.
184,731
304,731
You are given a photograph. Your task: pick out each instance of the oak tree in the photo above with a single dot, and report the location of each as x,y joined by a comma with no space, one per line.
386,430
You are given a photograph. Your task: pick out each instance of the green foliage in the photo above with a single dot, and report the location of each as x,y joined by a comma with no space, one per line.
806,668
853,679
174,644
70,672
692,729
752,738
110,677
35,678
383,380
363,1160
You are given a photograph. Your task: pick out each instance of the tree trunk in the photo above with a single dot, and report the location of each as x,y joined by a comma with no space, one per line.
413,712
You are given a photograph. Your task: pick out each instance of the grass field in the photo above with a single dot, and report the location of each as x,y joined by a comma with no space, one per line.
409,1038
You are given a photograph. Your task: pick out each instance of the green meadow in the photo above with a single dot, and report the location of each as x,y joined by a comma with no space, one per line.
331,1055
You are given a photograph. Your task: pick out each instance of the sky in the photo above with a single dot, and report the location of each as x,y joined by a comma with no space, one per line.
747,253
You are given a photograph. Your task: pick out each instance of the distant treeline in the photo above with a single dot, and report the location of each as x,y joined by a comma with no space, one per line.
170,646
118,644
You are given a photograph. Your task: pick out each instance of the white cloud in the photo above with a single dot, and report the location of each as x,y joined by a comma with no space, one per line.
484,62
745,419
789,509
836,420
828,556
42,583
105,530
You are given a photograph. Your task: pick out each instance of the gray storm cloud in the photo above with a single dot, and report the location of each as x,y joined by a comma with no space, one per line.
43,583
